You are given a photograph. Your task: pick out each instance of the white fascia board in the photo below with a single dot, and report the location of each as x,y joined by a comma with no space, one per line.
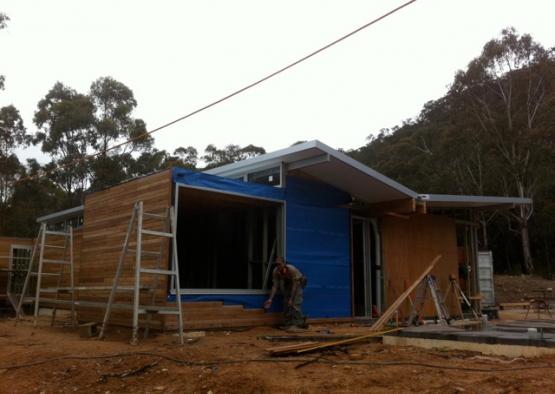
62,215
261,162
365,169
474,199
269,160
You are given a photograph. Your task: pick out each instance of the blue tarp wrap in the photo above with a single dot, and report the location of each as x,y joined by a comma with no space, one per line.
317,240
318,233
199,179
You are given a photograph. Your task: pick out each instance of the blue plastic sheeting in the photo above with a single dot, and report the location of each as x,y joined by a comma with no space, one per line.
318,243
317,240
199,179
255,301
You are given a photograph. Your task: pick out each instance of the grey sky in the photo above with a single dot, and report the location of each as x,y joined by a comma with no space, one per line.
179,55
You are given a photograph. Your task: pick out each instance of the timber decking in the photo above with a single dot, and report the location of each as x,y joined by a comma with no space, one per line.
214,314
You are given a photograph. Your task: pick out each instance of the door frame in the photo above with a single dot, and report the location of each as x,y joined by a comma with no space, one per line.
367,260
374,274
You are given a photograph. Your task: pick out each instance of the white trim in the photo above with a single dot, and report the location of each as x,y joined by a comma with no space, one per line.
283,206
62,215
274,157
474,199
255,162
208,189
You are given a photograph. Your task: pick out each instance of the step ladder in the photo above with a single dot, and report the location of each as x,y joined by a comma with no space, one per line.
428,283
168,222
459,297
54,248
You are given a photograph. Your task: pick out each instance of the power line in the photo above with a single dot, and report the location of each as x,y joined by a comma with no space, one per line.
233,94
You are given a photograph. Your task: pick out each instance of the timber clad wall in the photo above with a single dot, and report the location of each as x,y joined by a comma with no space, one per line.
409,246
106,218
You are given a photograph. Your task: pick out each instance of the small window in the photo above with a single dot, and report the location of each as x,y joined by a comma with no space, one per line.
271,176
20,259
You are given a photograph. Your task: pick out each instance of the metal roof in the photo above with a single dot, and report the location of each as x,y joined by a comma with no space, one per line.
62,215
465,201
328,165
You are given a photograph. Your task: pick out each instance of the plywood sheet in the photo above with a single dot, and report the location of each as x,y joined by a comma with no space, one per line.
409,245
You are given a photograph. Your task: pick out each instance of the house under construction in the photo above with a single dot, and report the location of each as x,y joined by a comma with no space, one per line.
359,237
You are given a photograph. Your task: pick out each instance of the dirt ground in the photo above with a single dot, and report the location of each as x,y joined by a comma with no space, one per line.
346,370
516,288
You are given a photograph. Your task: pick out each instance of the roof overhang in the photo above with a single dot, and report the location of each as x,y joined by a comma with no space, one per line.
479,202
328,165
61,216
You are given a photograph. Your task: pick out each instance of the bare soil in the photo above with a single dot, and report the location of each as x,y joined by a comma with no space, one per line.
517,288
145,373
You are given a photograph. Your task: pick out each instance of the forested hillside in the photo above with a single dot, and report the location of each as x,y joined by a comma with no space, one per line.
493,133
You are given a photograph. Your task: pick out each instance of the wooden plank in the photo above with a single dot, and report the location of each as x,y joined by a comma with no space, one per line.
290,348
509,305
395,305
348,341
307,347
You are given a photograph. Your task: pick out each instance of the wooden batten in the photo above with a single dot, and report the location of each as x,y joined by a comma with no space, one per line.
421,207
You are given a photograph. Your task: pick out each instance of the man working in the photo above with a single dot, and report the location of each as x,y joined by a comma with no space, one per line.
290,281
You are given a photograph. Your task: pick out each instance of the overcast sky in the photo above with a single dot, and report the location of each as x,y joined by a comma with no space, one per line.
177,56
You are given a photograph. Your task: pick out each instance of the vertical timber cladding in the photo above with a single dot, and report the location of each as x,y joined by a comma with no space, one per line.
409,245
106,218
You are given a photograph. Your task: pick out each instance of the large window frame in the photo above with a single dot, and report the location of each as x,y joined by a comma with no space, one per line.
279,250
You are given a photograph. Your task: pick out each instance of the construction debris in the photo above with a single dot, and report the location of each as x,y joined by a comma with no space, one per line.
388,314
306,347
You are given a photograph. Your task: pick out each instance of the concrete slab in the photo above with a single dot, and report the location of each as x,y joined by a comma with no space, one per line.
507,338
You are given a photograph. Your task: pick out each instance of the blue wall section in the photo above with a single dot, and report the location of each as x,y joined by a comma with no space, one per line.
317,240
318,234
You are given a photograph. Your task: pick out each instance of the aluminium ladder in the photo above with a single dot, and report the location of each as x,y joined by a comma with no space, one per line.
428,283
46,245
136,225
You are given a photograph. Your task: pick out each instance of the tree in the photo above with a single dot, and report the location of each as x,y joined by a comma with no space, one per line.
65,118
183,157
505,91
493,133
215,157
12,136
3,23
33,196
113,104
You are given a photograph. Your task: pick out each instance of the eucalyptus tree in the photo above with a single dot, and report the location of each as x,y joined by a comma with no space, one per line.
113,124
215,157
3,23
508,90
12,135
64,118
